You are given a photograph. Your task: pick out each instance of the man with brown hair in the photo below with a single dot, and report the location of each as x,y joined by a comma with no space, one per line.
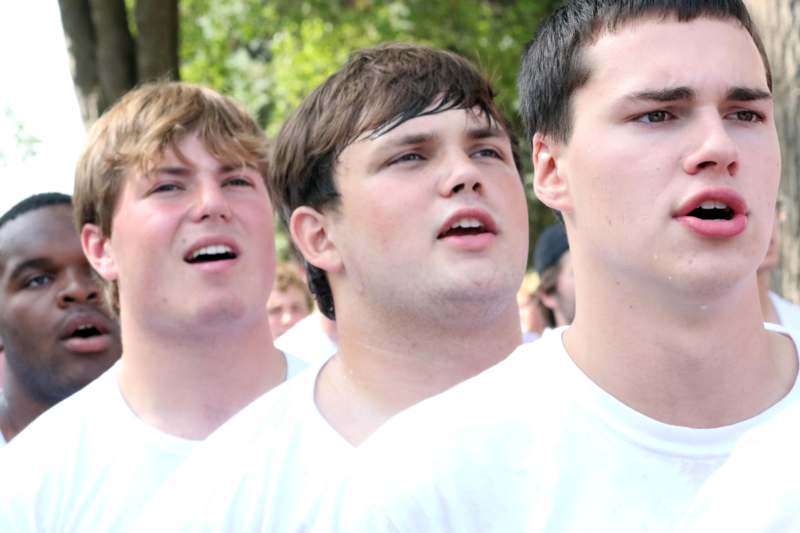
398,180
171,202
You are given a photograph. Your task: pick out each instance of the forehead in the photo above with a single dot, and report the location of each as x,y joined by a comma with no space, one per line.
457,120
43,232
291,292
654,53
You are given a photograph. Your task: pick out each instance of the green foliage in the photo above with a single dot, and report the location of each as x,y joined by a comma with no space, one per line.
270,54
16,142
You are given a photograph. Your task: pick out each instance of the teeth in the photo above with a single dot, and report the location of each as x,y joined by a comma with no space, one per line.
216,249
467,223
85,326
713,204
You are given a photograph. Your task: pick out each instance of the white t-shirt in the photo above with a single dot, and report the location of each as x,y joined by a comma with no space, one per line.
758,489
263,470
87,464
533,445
788,313
307,340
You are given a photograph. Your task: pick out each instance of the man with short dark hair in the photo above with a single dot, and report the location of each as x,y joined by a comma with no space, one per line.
398,180
652,132
57,337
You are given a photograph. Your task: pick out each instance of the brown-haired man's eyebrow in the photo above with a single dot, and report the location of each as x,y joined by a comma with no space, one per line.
747,94
671,94
486,133
410,139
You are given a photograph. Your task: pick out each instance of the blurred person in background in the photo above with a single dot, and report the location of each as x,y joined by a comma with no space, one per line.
531,312
289,302
775,308
58,337
553,262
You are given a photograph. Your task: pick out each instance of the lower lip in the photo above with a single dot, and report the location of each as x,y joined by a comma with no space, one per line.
471,243
214,266
716,229
98,343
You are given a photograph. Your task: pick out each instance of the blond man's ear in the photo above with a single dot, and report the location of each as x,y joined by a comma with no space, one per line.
97,249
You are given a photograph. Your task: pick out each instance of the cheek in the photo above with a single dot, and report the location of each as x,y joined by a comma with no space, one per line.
389,225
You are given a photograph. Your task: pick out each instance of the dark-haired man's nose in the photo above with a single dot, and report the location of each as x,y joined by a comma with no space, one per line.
715,151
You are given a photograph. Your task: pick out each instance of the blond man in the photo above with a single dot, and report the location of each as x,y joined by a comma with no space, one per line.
174,214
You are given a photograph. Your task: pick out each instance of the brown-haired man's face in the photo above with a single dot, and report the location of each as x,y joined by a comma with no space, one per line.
432,209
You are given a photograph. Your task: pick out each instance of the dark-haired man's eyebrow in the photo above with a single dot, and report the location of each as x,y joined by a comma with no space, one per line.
747,94
671,94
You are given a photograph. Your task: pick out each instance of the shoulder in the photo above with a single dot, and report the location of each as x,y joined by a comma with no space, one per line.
767,457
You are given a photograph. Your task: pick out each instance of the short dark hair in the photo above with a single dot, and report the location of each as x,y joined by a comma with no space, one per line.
554,66
377,90
37,201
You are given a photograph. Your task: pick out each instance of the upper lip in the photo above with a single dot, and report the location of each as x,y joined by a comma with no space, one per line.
211,241
730,198
86,316
486,220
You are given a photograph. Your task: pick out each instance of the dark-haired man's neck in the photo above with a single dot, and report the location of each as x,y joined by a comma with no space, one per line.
385,366
701,360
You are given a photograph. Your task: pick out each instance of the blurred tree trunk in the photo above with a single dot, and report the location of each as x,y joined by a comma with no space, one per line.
157,45
779,22
106,59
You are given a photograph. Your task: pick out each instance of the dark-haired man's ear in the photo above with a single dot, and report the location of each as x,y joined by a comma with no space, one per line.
310,233
549,183
97,249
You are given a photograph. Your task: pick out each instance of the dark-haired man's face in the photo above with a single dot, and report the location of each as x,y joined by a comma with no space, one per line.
671,172
56,336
